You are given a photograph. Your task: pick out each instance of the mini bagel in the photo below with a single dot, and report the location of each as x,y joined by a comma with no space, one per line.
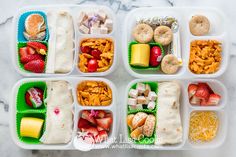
163,35
199,25
143,33
170,64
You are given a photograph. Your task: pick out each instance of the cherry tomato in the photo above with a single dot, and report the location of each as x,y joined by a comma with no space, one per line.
155,56
85,49
96,54
92,65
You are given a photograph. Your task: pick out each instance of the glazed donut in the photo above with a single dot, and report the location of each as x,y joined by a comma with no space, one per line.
163,35
143,33
199,25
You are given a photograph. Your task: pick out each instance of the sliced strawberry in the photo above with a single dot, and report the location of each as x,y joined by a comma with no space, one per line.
105,123
30,57
86,115
203,102
102,136
195,100
192,88
91,130
83,123
23,51
207,86
99,128
30,50
36,66
39,47
214,99
101,114
203,91
108,115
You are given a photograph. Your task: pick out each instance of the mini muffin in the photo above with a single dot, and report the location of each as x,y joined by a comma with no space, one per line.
163,35
149,125
139,119
143,33
199,25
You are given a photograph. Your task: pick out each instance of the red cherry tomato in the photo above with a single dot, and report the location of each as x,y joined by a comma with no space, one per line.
85,49
155,56
92,65
96,54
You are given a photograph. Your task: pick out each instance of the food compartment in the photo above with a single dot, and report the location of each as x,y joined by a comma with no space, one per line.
210,94
94,93
96,55
151,142
213,59
95,20
212,127
206,22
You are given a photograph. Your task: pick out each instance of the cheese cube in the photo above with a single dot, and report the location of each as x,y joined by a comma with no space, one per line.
95,30
136,107
82,17
95,23
147,90
86,23
152,96
104,30
84,29
151,105
109,24
132,101
133,93
141,100
140,87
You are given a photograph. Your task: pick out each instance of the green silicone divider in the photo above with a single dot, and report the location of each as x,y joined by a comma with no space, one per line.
154,87
145,140
23,44
21,105
29,140
144,68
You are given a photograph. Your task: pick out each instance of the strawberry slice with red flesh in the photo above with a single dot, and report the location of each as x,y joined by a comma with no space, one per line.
203,91
101,114
39,47
36,66
92,130
102,136
86,115
214,99
105,123
192,88
83,123
30,57
195,100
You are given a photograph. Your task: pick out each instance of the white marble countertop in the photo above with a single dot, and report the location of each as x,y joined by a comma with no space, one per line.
120,77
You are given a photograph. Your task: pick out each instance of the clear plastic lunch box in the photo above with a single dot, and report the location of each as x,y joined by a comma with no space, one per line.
185,110
218,31
77,108
74,11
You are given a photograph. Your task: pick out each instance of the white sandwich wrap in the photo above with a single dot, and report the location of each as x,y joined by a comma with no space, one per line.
59,120
169,128
61,43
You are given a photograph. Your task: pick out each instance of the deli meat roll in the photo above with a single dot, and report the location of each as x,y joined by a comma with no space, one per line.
169,127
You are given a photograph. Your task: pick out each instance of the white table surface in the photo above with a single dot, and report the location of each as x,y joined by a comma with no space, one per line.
120,77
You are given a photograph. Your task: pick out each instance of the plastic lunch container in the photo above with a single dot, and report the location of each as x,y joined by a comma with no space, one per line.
185,110
75,11
77,108
218,31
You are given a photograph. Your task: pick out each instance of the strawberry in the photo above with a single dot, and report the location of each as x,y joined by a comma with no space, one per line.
34,97
39,47
91,130
30,57
99,128
203,91
86,115
192,88
108,115
203,102
105,123
214,99
102,136
83,123
24,51
195,100
36,66
101,114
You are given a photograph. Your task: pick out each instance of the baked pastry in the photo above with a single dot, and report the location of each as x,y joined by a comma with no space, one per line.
170,64
149,125
199,25
163,35
139,119
143,33
35,27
